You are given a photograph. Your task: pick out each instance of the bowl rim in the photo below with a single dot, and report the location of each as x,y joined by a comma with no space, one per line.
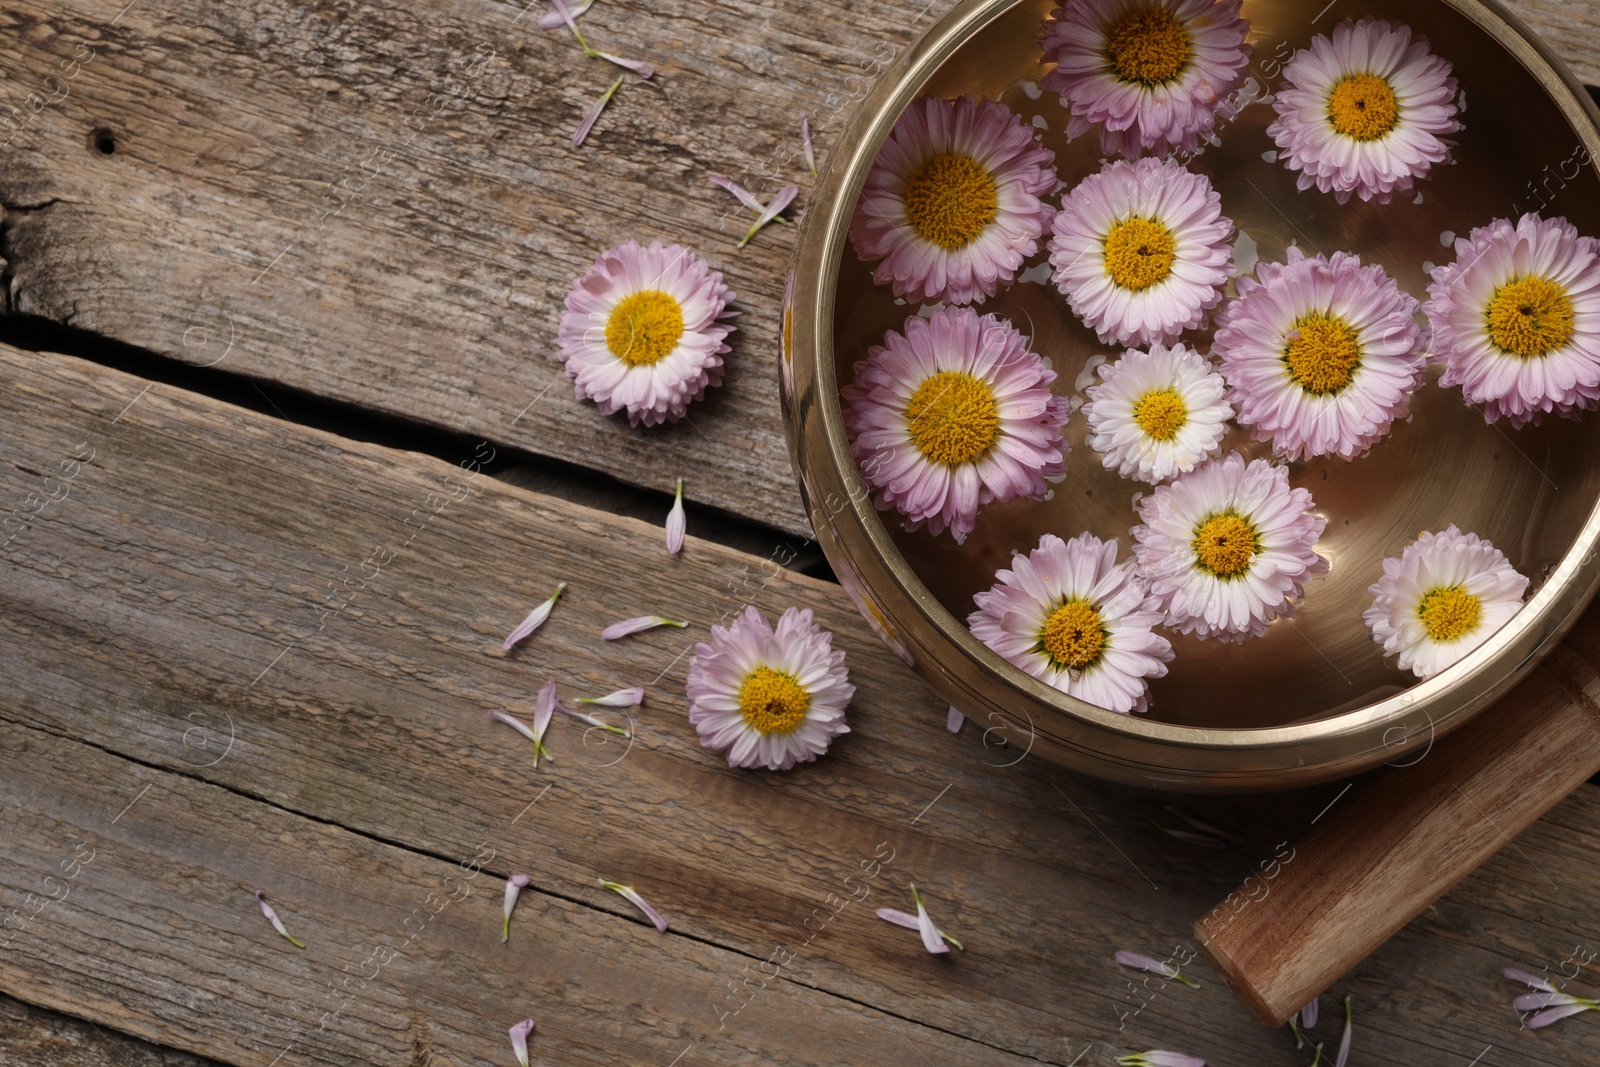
812,400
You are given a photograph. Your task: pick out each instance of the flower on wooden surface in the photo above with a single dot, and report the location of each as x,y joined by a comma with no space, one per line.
779,203
806,151
592,116
622,698
955,201
1161,1058
534,735
514,886
768,697
277,923
1228,547
564,13
1365,111
1140,962
1446,595
677,522
639,902
952,414
643,331
1549,1004
1516,319
535,619
519,1037
1072,616
632,626
933,938
1142,251
1158,413
1321,354
1153,76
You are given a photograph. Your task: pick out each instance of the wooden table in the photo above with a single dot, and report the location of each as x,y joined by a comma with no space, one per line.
279,278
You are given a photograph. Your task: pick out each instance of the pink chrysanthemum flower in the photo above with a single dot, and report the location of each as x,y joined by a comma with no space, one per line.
769,698
951,415
643,331
954,203
1152,74
1321,355
1158,413
1446,595
1142,251
1365,111
1226,548
1516,319
1069,614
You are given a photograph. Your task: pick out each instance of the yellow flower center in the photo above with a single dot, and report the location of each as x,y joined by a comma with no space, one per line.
1160,413
1073,635
1323,355
1363,107
953,418
644,327
1139,253
1449,612
950,199
1148,46
1225,544
1530,317
772,702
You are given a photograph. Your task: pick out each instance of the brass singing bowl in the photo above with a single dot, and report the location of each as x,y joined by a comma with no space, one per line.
1314,698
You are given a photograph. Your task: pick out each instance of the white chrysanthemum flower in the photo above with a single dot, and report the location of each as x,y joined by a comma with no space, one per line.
1158,413
1446,595
1228,547
1069,614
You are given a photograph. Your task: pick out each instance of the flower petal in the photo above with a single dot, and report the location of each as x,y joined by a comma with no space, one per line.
622,698
1344,1040
520,1032
592,116
805,144
552,19
784,198
931,939
676,522
740,193
277,923
638,66
1517,975
639,902
514,885
1550,1015
899,918
633,626
1308,1014
535,619
953,721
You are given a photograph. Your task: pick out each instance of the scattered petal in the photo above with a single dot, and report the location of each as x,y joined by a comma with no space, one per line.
536,736
633,626
1550,1015
784,198
622,698
805,144
590,720
581,134
1139,961
552,19
1161,1058
638,66
535,619
277,923
520,1032
1536,1001
1308,1014
899,918
565,15
639,902
676,522
1344,1040
544,710
933,939
514,885
953,721
740,193
1533,980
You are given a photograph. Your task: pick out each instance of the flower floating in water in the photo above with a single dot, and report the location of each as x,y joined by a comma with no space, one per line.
676,522
514,887
1069,614
955,201
933,938
1321,355
643,331
1228,547
1516,319
1140,962
1153,75
535,619
1161,1058
277,923
639,902
1142,251
951,415
633,626
592,116
768,697
1446,595
1549,1004
1158,413
519,1040
1365,111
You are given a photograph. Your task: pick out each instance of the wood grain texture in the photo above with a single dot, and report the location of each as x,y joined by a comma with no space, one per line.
378,203
34,1037
166,609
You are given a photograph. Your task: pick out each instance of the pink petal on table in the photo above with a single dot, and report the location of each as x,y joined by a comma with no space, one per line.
622,698
565,15
740,193
953,721
633,626
1308,1014
1535,1001
899,918
590,720
516,724
1164,1058
514,885
639,902
535,619
1139,961
805,144
932,939
552,19
1517,975
784,198
520,1032
581,134
544,709
1550,1015
638,66
277,923
676,522
1344,1041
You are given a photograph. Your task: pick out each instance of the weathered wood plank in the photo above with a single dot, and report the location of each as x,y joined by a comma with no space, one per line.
30,1037
167,608
378,203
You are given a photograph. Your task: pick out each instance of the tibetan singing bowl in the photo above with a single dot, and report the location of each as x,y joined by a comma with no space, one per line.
1314,698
